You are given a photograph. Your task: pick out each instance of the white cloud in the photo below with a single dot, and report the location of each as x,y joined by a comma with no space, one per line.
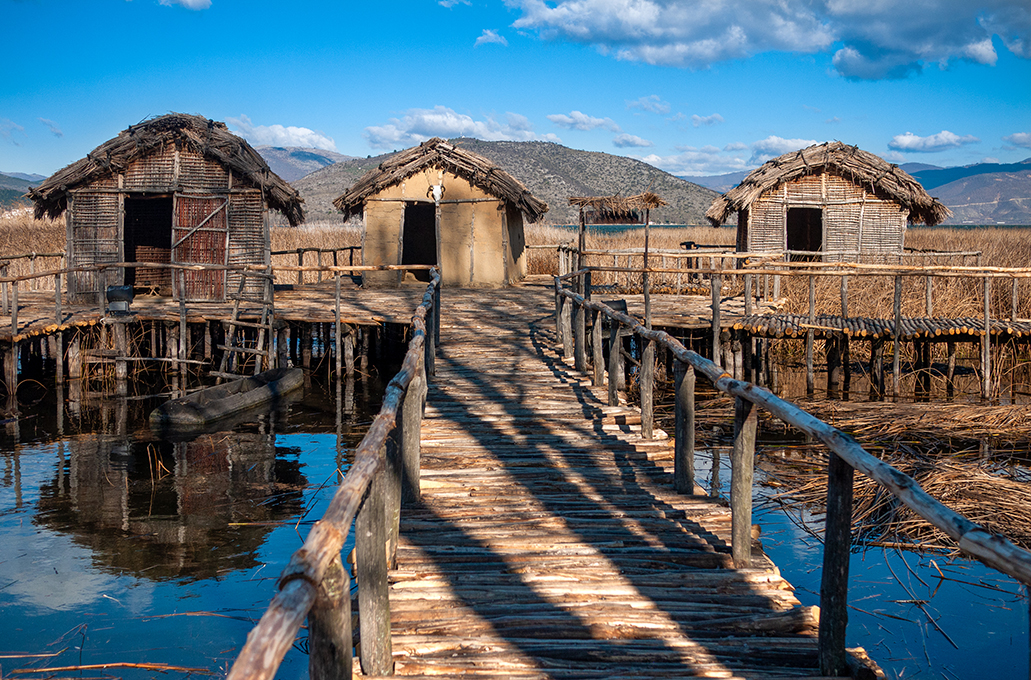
418,125
625,141
280,135
652,103
9,127
940,142
490,36
773,146
689,160
577,120
871,40
699,121
188,4
1022,139
52,126
736,146
451,3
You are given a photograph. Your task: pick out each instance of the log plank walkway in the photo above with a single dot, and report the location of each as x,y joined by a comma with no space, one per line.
549,541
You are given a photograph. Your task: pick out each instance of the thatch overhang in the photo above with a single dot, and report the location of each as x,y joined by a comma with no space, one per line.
618,205
865,169
438,153
211,139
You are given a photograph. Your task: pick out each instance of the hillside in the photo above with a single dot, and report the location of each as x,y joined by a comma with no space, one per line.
551,172
12,191
293,162
995,198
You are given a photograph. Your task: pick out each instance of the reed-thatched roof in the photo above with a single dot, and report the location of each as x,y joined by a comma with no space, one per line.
438,153
209,138
617,203
850,162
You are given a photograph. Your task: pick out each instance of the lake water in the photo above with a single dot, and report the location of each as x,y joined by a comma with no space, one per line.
121,549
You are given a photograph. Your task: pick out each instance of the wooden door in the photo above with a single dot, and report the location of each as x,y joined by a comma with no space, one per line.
200,235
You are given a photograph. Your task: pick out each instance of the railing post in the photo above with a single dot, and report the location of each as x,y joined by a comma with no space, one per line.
986,339
559,301
896,346
834,582
567,327
370,535
14,308
716,283
411,425
3,290
614,364
329,627
683,452
300,263
844,297
579,336
647,387
597,352
810,378
741,473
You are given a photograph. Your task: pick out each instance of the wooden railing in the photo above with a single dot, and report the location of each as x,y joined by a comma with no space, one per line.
383,477
300,252
846,455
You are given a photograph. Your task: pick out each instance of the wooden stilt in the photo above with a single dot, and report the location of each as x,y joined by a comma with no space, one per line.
684,428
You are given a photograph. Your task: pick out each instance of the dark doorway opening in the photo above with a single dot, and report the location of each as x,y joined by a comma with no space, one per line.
805,232
148,238
420,237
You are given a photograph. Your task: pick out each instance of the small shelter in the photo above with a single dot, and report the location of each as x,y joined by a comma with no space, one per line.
831,199
442,205
177,189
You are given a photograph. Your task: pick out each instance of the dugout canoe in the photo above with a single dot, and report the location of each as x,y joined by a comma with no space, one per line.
212,404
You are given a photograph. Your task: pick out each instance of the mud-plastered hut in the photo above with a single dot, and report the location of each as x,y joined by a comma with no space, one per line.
438,204
177,189
829,202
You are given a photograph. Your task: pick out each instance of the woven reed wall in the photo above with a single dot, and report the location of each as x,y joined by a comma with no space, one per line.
247,244
853,218
156,171
93,219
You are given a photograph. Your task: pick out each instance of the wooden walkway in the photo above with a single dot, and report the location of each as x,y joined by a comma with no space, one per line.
550,543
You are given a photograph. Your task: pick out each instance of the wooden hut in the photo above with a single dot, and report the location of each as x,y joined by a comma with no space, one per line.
439,204
177,188
831,199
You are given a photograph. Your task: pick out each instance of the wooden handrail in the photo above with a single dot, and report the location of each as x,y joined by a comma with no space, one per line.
358,494
846,455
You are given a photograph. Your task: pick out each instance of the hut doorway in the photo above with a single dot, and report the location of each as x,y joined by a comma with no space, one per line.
148,238
419,236
805,232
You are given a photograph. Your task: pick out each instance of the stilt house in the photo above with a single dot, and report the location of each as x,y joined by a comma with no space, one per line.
177,188
442,205
828,202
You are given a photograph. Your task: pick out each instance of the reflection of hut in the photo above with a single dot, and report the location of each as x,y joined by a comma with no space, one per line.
439,204
177,188
826,198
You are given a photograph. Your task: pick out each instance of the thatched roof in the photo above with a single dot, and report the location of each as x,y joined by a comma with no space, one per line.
437,153
852,163
209,138
617,203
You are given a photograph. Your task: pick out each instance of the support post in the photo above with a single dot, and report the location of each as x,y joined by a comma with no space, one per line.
647,386
370,531
411,426
329,627
986,342
833,344
579,336
716,283
615,343
834,583
596,349
742,470
877,367
683,452
810,339
896,346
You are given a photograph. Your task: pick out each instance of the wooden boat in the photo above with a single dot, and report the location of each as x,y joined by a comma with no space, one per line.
211,404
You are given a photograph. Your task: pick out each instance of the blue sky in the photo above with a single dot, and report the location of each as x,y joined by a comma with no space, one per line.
694,87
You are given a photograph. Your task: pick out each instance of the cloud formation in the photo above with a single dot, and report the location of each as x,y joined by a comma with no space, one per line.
695,161
774,146
577,120
9,127
52,126
699,121
418,125
942,141
871,40
1021,139
188,4
280,135
625,141
490,36
651,103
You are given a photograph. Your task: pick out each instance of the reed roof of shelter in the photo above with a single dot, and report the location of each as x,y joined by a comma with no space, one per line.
211,139
438,153
617,203
884,179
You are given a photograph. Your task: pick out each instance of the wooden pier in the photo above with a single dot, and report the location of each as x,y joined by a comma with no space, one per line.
550,541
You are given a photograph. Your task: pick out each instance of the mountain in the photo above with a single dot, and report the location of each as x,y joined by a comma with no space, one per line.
991,198
551,172
913,168
294,162
28,177
931,179
13,188
719,183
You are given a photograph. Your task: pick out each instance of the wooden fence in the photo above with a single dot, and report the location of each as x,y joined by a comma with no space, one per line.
846,455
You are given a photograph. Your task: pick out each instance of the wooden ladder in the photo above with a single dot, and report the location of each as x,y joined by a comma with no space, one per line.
238,346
